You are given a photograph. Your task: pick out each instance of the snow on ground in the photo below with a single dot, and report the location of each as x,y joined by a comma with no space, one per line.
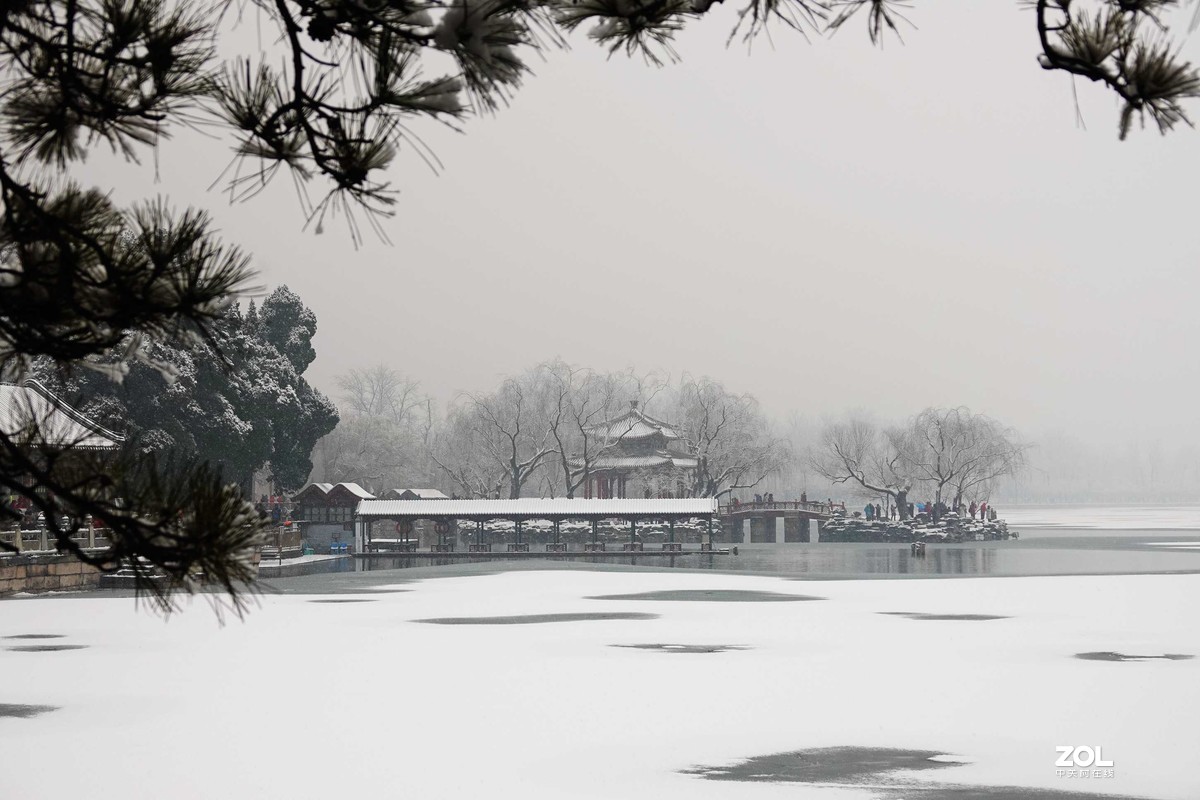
355,699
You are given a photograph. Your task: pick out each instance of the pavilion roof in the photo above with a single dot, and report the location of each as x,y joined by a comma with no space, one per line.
32,413
633,424
660,458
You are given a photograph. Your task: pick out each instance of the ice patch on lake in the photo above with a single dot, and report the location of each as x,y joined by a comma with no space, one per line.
1103,517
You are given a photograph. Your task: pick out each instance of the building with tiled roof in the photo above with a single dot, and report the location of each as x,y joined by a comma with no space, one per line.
640,457
413,494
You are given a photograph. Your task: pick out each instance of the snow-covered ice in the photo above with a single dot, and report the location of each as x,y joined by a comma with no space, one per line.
316,700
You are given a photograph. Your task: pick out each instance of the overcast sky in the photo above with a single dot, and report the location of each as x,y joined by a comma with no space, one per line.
825,225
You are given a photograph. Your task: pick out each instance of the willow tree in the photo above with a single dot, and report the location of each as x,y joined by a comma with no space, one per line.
80,275
856,452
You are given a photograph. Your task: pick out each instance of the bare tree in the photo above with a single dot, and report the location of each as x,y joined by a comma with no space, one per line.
856,451
957,450
380,392
511,426
454,446
583,404
379,441
991,452
729,437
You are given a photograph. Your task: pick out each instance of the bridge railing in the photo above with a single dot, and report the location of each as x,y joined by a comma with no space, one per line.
42,541
783,505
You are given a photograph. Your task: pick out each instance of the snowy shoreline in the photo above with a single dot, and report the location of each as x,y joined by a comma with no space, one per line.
360,699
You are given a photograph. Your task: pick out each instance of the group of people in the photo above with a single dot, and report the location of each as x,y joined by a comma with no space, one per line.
875,511
982,510
273,507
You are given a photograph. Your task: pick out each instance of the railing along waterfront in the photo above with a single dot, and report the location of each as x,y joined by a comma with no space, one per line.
42,541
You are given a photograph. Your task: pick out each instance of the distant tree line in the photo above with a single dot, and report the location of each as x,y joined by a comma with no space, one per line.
538,433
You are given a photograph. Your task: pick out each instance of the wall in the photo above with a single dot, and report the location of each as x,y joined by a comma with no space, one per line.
43,573
319,535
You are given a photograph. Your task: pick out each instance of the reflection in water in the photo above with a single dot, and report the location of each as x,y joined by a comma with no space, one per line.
844,560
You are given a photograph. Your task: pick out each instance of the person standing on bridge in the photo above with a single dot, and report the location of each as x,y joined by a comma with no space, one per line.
803,498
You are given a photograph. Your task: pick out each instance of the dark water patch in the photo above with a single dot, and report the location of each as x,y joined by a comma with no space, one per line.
1111,656
36,636
877,767
533,619
848,765
960,617
711,595
24,711
344,600
45,648
685,648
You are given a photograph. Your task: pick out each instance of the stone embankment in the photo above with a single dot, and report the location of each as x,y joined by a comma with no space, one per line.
949,528
45,572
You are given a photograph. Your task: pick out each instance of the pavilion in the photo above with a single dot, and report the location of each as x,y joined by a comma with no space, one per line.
640,457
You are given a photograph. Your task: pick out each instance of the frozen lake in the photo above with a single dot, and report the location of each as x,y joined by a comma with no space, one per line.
611,685
1104,517
602,681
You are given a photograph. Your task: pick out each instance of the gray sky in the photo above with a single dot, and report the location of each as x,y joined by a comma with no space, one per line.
825,225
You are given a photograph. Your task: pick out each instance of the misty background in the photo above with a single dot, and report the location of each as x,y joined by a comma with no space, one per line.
825,225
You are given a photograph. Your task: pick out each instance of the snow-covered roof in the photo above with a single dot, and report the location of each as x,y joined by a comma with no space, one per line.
649,461
538,508
323,488
633,424
412,494
33,414
428,494
356,490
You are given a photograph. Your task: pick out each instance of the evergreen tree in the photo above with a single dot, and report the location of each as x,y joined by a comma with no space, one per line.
80,276
238,403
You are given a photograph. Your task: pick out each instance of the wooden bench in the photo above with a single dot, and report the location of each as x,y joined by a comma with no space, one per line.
672,547
523,547
443,548
561,547
593,547
631,546
479,548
